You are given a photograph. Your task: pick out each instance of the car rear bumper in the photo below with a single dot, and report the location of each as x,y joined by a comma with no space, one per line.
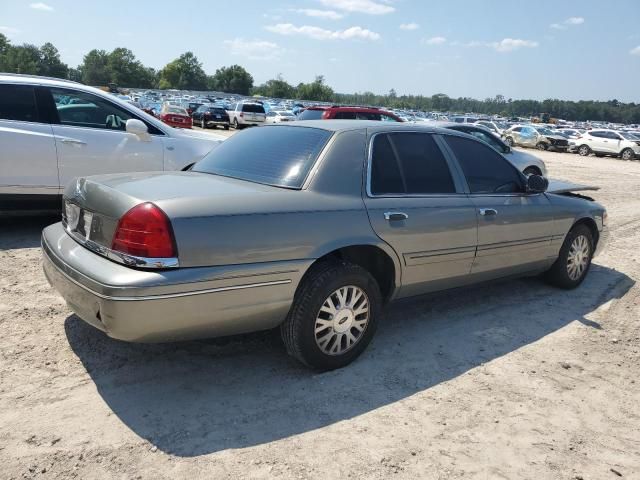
170,305
210,123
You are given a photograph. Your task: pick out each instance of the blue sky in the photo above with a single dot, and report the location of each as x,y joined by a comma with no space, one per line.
586,49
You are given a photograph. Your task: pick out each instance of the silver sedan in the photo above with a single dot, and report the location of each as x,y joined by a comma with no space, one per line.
312,227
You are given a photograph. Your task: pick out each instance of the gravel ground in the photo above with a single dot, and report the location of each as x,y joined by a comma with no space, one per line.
513,380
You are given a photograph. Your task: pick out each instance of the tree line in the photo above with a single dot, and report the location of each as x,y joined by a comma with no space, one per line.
121,67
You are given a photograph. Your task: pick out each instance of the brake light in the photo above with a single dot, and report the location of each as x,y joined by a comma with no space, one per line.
241,115
145,231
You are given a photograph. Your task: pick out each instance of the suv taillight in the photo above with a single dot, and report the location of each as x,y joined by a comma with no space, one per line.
145,231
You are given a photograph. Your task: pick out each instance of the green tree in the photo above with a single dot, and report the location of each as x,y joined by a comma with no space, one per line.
5,45
317,90
124,69
24,59
233,79
94,69
276,88
50,63
184,73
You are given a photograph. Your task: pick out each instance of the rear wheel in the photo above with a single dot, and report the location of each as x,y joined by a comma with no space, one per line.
226,127
584,150
203,124
333,317
235,124
627,154
573,263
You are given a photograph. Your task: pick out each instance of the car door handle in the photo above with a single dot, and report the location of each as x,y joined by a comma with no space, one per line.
72,141
487,212
395,216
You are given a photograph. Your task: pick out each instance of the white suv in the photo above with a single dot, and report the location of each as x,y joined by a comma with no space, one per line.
246,113
52,131
606,142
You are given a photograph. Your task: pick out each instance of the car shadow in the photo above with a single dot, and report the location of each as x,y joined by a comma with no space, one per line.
24,231
195,398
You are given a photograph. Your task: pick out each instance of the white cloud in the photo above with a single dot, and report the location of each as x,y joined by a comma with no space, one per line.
41,6
571,21
326,14
369,7
254,49
322,33
9,31
435,41
511,44
409,26
574,21
635,51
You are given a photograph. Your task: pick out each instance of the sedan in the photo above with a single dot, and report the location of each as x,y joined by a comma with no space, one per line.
175,116
311,227
541,138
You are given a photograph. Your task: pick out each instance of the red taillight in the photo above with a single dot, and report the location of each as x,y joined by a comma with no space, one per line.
145,231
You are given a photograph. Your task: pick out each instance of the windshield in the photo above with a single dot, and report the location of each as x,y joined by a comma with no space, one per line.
545,131
176,110
627,136
279,156
311,115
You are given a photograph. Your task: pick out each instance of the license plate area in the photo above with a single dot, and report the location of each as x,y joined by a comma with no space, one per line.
78,220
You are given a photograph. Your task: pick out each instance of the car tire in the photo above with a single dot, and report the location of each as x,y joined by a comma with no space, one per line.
627,154
584,150
509,141
541,146
203,125
226,127
235,124
574,261
319,325
532,171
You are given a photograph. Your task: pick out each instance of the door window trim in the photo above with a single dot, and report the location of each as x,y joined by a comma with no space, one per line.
458,185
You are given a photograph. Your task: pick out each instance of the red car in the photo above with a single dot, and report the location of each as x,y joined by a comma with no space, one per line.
175,116
347,113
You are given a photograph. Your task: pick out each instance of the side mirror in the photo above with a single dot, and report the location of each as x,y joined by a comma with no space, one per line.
537,184
137,127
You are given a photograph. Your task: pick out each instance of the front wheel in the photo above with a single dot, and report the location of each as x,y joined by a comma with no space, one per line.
509,141
627,154
584,151
541,146
334,315
573,263
203,125
532,171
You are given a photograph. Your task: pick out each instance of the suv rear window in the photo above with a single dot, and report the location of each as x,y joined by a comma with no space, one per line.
283,157
17,102
311,115
252,108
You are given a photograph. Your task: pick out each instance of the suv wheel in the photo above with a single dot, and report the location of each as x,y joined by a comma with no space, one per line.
584,150
627,154
573,263
333,317
541,146
203,125
235,124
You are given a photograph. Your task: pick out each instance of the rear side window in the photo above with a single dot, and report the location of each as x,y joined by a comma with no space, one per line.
345,115
283,156
409,163
252,108
485,170
311,115
17,102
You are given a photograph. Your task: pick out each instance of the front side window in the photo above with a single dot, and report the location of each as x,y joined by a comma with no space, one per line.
285,156
516,129
81,109
408,163
17,102
486,171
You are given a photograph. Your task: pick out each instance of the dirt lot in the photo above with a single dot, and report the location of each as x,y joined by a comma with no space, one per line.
515,381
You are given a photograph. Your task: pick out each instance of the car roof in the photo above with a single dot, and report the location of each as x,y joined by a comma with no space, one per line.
31,79
370,125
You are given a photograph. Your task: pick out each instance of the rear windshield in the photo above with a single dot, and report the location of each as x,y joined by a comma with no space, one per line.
280,156
311,115
218,110
252,108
